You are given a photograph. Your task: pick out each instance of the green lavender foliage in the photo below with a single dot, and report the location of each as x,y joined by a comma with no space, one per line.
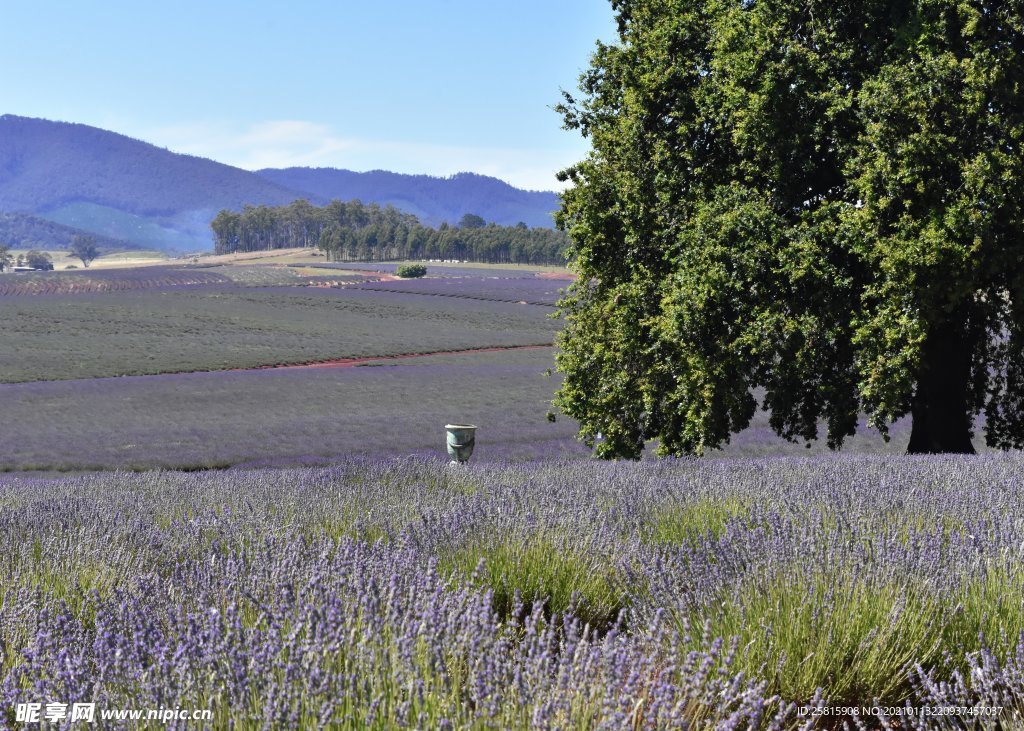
561,595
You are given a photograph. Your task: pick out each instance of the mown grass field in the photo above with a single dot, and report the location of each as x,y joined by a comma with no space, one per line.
62,258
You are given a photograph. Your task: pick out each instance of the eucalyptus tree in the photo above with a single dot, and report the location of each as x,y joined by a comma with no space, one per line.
817,203
84,247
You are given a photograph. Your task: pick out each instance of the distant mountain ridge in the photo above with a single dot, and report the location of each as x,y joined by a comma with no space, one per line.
119,187
131,192
431,199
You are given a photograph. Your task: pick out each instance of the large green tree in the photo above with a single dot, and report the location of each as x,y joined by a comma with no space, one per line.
38,259
819,203
84,247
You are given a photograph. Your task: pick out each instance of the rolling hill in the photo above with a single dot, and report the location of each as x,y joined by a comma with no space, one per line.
118,187
22,231
133,193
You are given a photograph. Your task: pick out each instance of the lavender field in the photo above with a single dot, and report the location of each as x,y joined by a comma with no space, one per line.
116,280
77,336
312,416
410,594
311,561
534,291
438,269
286,416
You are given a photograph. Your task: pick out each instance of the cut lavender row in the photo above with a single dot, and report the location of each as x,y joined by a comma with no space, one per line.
525,291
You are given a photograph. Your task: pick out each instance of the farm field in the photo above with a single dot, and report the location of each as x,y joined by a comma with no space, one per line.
391,593
253,478
286,416
86,281
62,258
163,276
326,543
68,335
62,336
273,256
64,411
126,259
533,291
277,275
446,269
315,415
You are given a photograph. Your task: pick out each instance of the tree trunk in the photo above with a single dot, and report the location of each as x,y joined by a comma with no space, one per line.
942,423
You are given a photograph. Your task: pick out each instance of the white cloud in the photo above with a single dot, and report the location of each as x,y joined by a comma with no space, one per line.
296,143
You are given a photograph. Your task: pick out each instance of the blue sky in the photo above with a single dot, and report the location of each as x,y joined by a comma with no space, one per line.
415,87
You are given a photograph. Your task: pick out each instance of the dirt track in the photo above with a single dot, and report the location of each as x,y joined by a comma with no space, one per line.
351,362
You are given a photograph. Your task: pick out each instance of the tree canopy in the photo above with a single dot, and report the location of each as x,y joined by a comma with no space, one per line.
38,260
471,220
84,247
819,203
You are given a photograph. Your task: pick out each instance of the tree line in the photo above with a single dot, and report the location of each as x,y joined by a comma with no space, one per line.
35,259
432,199
368,232
83,246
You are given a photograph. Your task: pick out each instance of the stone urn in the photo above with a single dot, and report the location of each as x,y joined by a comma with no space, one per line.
461,439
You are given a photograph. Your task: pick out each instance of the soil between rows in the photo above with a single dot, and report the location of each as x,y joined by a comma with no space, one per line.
351,362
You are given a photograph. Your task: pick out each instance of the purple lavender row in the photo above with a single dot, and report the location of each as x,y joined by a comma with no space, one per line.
111,280
403,593
524,291
433,269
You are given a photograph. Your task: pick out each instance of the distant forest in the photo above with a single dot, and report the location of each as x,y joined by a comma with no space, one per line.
369,232
432,200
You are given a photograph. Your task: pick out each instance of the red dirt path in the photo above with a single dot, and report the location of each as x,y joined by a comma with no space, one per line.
352,362
565,276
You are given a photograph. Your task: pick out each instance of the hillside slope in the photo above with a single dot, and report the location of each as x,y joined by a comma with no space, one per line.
119,187
45,164
22,231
